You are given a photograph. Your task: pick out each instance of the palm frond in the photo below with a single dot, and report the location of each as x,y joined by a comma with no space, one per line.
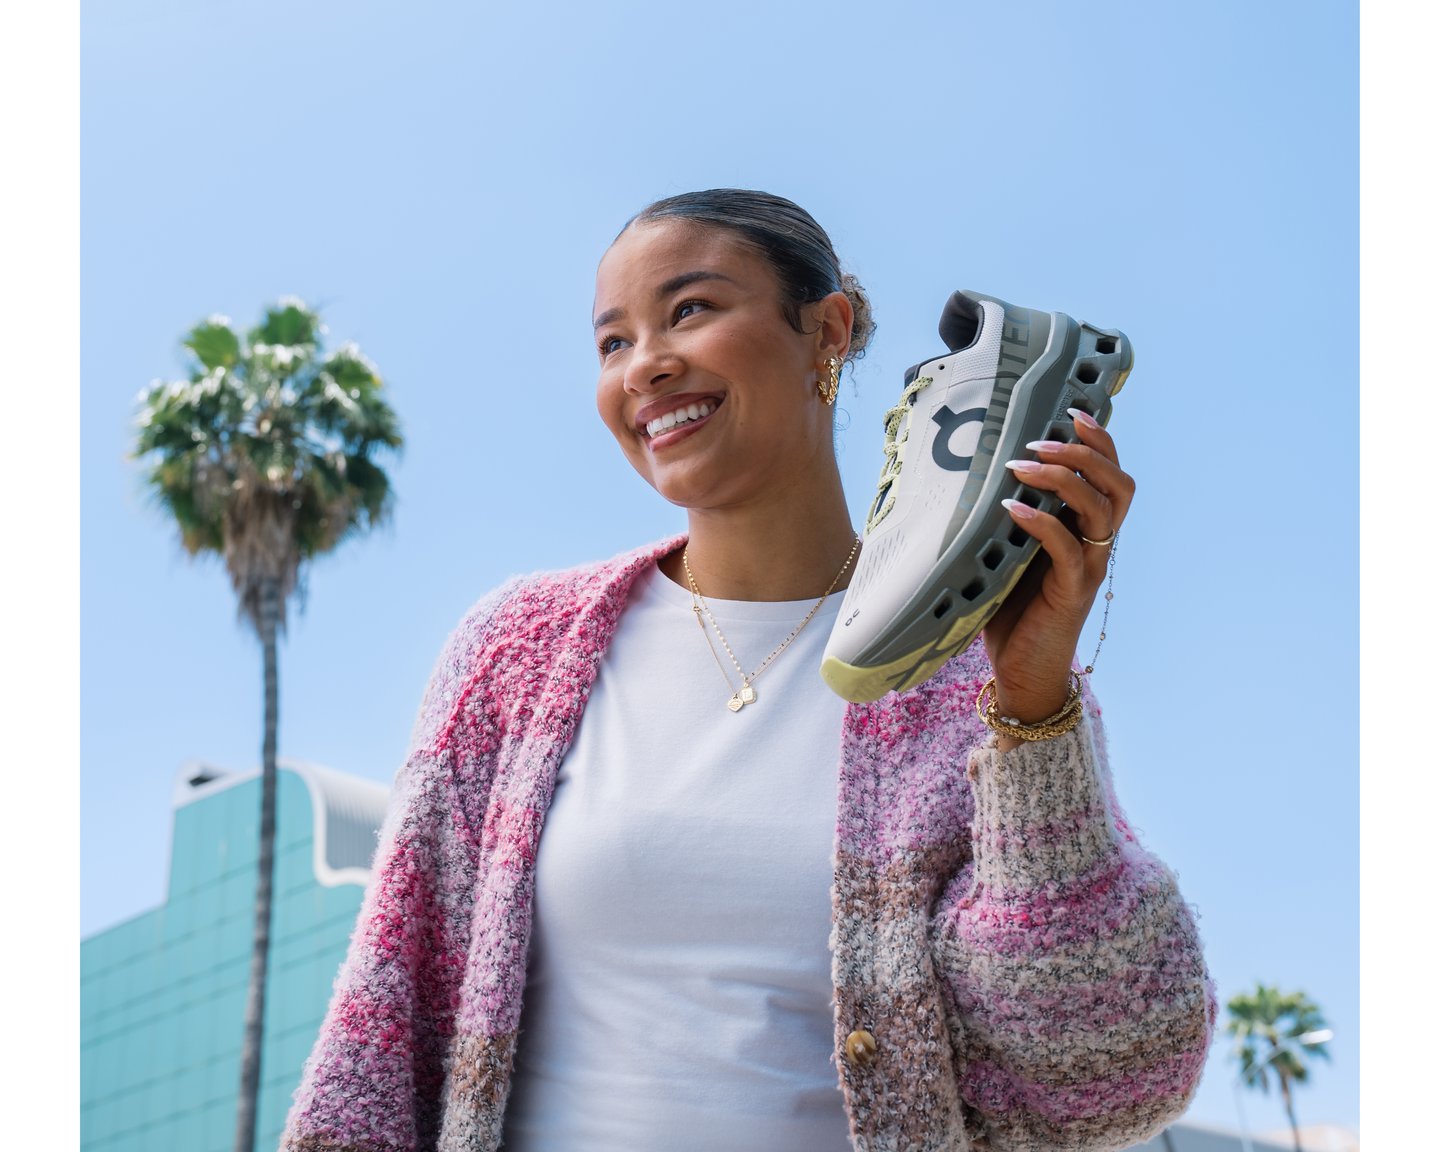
1275,1035
214,343
265,455
288,322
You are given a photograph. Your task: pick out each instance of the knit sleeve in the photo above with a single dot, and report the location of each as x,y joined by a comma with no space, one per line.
375,1078
1081,1008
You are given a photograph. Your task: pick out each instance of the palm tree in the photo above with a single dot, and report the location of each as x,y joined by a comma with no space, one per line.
1277,1033
265,455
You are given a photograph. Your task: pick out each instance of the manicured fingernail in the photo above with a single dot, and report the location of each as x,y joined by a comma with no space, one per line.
1023,465
1083,418
1045,445
1016,508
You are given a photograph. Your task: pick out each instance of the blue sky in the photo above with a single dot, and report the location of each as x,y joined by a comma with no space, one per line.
441,179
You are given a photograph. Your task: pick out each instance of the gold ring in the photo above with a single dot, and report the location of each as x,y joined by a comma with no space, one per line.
1101,543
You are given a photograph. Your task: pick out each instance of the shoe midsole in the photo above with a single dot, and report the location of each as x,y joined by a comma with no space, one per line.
865,682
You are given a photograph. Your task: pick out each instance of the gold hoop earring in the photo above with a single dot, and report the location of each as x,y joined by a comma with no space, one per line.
830,388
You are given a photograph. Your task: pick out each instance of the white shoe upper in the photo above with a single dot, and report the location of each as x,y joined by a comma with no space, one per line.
908,526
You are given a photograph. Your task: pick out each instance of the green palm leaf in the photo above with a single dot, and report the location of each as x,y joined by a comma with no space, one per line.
1277,1035
267,454
214,343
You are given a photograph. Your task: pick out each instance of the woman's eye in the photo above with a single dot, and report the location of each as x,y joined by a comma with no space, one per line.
610,344
689,308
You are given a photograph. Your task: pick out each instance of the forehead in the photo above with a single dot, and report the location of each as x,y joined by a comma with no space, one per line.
646,255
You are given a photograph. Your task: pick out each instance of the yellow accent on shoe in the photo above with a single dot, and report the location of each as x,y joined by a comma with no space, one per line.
860,685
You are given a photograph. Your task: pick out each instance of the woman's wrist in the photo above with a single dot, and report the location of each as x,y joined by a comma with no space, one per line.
1021,715
1031,707
1035,686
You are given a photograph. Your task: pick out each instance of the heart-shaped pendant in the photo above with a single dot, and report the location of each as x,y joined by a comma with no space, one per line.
734,703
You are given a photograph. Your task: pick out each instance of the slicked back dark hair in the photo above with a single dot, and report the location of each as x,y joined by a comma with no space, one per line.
797,249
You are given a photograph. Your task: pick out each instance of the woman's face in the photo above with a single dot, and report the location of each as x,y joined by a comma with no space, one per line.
706,387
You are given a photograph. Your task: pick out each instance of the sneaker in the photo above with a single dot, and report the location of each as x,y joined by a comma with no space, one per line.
940,552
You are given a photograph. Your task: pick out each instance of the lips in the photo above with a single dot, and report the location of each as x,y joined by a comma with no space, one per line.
674,412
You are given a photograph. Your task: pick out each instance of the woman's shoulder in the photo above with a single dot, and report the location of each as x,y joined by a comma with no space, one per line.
523,625
554,595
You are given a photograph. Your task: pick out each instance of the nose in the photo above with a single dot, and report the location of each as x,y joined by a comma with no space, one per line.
652,362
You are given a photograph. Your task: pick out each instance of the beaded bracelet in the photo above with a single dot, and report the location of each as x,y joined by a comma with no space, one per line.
1057,725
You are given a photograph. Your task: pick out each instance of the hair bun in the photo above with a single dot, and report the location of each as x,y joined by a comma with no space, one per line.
863,326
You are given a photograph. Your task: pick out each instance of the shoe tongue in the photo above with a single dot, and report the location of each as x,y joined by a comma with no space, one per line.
960,322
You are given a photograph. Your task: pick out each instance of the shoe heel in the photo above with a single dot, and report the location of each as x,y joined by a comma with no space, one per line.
1101,366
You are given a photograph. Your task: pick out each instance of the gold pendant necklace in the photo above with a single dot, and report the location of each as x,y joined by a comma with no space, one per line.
746,694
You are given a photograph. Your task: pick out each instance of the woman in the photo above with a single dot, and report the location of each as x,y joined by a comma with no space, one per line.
1006,967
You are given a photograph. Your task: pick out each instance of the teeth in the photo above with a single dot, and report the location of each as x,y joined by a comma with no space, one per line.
679,416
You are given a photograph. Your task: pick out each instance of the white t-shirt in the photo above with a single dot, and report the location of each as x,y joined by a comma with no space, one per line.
679,988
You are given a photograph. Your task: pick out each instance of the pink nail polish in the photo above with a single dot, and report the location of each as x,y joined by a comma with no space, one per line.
1044,445
1023,465
1083,418
1016,508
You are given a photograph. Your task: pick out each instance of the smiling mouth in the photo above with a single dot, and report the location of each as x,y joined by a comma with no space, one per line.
680,417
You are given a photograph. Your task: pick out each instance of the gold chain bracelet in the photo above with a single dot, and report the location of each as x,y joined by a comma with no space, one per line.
1057,725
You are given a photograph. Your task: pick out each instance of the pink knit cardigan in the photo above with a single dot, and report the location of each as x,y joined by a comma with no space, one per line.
1029,974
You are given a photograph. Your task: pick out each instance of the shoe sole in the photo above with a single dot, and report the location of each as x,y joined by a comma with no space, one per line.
1082,367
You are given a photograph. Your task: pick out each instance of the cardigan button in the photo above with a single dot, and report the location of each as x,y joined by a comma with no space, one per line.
860,1046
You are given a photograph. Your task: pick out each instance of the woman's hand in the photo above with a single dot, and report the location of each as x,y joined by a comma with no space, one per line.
1032,639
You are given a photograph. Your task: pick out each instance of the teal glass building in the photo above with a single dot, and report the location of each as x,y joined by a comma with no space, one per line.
162,996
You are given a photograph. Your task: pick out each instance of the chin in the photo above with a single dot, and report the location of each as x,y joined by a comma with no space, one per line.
683,492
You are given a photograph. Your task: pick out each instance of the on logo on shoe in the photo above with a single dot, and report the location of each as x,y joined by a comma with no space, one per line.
950,421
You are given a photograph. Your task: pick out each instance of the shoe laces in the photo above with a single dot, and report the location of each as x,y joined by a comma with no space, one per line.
897,433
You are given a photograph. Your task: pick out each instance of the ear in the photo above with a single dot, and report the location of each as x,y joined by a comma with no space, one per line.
834,315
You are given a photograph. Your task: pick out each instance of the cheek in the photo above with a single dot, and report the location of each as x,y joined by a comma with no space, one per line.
610,403
609,398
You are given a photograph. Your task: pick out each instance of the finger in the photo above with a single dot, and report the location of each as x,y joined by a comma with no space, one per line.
1091,433
1066,552
1094,515
1096,469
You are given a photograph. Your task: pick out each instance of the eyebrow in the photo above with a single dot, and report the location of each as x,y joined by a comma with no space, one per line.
674,284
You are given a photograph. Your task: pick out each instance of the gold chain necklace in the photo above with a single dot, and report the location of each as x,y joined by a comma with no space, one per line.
745,694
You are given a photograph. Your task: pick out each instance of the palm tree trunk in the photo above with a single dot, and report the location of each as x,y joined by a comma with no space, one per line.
245,1118
1168,1139
1290,1111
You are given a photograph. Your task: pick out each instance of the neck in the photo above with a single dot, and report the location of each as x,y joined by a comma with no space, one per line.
788,552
